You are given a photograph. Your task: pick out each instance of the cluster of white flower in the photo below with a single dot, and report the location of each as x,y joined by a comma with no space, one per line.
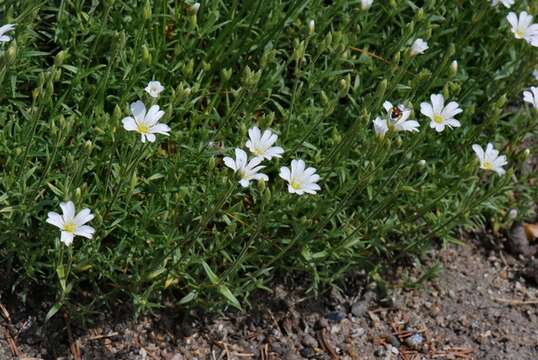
146,123
300,179
397,118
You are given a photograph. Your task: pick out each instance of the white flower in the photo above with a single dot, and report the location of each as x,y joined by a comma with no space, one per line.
523,27
531,97
440,114
300,180
418,47
70,223
490,159
535,74
397,120
247,171
261,145
154,88
146,124
506,3
5,29
366,4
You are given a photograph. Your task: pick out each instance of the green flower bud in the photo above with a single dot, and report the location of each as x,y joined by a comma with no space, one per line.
146,56
117,113
188,68
243,129
381,89
59,58
211,163
226,74
453,68
12,52
266,199
206,66
78,194
88,146
147,11
311,27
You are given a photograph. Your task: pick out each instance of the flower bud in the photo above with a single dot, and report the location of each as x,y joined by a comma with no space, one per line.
261,185
512,214
526,154
211,163
243,129
266,199
206,66
12,52
453,68
147,11
226,74
88,146
146,56
194,8
381,88
117,113
311,27
421,163
78,194
59,58
366,4
188,68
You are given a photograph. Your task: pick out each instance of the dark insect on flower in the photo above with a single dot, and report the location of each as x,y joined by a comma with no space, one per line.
395,113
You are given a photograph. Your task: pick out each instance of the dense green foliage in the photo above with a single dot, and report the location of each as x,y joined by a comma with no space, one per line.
171,220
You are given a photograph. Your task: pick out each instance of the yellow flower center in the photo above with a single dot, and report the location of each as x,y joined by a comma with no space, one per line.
438,118
70,227
295,185
143,129
520,34
487,165
258,151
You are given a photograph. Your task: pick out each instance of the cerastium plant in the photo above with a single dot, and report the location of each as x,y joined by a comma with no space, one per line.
213,146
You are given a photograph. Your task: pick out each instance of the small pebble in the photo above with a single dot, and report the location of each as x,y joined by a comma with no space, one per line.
415,341
308,352
336,316
394,341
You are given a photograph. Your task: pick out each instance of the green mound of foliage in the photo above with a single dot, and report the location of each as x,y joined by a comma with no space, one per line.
170,219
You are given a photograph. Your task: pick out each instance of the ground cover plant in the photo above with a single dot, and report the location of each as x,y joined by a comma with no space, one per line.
187,151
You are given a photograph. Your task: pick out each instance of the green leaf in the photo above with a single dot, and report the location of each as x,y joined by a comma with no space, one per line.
210,274
232,300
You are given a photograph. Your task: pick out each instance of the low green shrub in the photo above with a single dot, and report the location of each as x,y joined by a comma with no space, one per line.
169,218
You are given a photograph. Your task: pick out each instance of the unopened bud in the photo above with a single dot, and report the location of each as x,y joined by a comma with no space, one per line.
88,146
311,27
366,4
12,52
78,194
381,88
146,56
194,8
454,68
526,154
421,163
59,58
226,74
147,11
211,163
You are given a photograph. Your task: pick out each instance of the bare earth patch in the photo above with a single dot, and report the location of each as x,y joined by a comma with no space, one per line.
480,307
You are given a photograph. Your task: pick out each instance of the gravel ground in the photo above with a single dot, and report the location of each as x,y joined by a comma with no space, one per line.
483,305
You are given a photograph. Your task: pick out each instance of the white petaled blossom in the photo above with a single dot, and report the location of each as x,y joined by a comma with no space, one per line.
506,3
397,120
4,30
418,47
300,179
490,159
531,97
195,8
154,88
247,170
261,145
70,223
366,4
523,28
439,114
146,124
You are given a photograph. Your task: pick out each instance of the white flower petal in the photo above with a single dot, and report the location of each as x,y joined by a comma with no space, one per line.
55,219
